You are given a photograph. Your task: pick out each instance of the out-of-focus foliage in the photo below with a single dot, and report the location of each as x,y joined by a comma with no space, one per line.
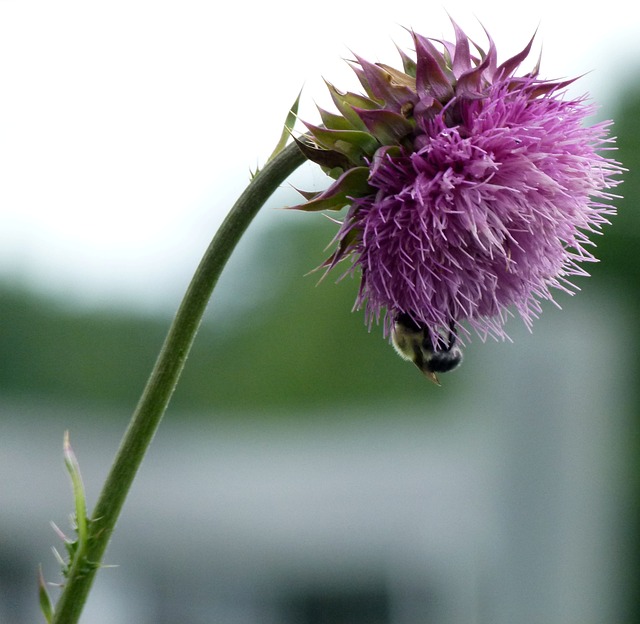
303,346
50,351
619,249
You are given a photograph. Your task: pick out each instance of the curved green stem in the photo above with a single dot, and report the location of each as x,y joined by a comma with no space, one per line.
163,380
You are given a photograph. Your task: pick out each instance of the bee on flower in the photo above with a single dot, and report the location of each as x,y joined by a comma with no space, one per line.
472,192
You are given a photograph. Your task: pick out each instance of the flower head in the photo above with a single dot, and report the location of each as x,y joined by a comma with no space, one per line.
472,190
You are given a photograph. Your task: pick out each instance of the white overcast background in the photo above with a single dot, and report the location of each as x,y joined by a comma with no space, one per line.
128,129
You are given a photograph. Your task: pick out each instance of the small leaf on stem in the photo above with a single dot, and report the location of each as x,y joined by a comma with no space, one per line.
287,129
73,467
45,601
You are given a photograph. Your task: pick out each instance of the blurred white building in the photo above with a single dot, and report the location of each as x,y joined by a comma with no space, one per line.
502,507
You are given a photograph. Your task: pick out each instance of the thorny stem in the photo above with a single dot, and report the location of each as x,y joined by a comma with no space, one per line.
163,380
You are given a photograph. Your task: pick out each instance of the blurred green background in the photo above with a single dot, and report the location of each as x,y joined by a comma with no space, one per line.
298,354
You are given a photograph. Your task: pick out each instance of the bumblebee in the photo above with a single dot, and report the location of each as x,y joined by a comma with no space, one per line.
414,344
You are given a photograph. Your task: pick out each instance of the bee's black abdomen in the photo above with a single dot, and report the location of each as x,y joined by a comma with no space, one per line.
445,361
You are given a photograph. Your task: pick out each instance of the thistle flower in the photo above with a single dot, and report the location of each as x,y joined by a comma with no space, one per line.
472,191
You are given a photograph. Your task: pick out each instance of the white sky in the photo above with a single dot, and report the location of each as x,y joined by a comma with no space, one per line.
127,129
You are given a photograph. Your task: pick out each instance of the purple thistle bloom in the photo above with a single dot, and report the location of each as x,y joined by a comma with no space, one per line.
471,192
